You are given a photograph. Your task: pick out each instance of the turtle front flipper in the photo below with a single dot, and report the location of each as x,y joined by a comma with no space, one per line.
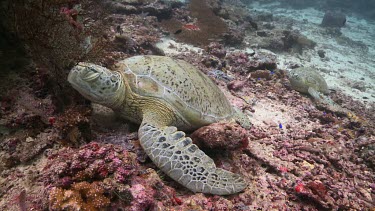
241,118
184,162
328,103
315,94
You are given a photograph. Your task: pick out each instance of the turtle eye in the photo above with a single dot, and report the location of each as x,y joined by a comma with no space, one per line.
295,75
93,70
113,78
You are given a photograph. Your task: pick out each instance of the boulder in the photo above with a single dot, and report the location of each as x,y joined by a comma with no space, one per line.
334,19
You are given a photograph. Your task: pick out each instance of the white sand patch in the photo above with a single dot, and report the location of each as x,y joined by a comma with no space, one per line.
171,47
349,64
272,113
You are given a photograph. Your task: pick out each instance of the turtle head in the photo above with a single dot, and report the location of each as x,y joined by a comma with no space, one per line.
292,74
98,84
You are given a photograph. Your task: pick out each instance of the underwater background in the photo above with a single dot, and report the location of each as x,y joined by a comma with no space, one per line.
303,72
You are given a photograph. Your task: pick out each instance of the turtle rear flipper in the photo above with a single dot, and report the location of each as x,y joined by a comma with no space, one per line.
184,162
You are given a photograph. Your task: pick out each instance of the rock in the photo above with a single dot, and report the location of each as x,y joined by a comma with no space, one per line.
161,11
266,74
122,9
131,2
234,36
236,85
223,13
224,136
262,33
103,116
216,49
333,19
360,85
303,41
250,51
263,59
269,26
285,40
266,17
321,53
298,4
220,75
295,41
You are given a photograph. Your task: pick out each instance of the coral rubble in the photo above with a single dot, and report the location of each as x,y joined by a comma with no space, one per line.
220,136
90,162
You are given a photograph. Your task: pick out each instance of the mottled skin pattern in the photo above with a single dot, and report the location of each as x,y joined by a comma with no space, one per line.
162,94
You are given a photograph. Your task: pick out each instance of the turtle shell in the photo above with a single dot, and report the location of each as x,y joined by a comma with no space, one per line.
189,92
302,78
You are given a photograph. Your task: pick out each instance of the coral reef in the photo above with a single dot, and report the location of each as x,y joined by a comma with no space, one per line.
243,62
134,35
286,40
14,148
89,162
236,85
73,125
261,74
81,196
57,153
160,9
271,36
57,34
216,49
208,26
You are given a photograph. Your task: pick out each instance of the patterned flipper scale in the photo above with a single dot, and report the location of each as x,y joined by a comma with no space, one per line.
184,162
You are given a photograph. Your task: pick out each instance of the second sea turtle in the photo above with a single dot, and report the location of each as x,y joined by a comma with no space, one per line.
307,80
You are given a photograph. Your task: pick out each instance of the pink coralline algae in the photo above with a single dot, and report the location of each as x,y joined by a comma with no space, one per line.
243,62
142,197
216,49
228,136
91,161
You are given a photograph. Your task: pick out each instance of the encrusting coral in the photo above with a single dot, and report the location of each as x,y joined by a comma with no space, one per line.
81,196
208,26
91,161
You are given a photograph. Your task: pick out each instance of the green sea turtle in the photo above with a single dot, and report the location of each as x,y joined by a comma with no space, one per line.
308,81
163,94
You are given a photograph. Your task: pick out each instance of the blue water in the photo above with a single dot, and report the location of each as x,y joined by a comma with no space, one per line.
349,49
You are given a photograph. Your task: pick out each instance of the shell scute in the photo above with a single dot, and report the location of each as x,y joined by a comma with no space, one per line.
178,83
301,79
